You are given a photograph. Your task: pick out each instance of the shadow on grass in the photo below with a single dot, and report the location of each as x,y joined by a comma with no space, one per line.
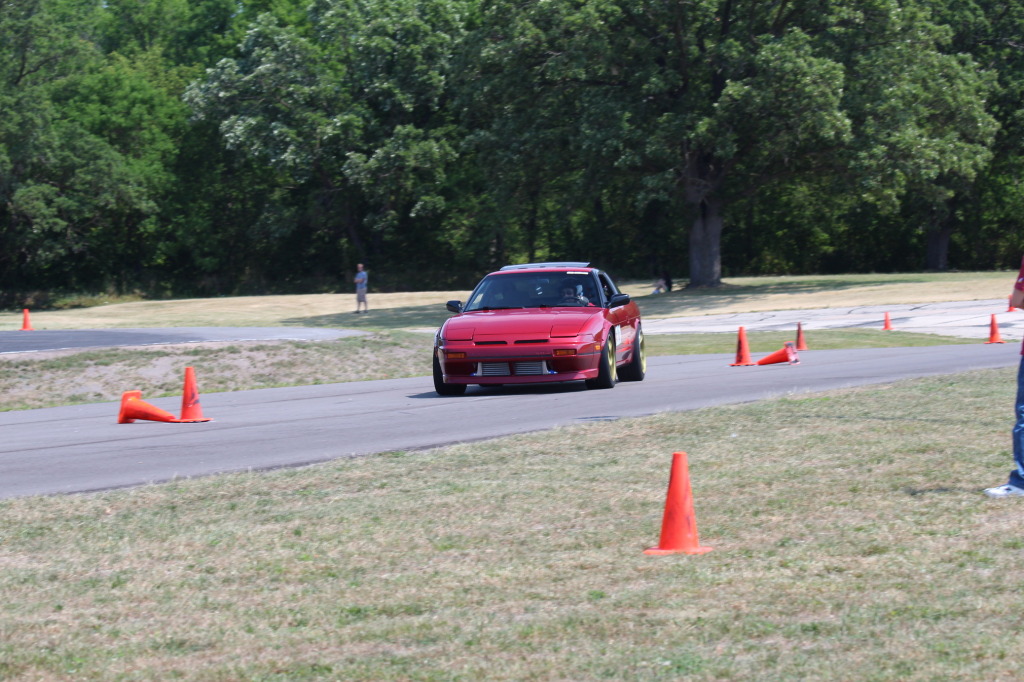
682,302
695,301
913,492
422,316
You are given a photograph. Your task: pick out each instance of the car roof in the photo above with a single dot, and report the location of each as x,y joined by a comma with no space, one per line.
548,266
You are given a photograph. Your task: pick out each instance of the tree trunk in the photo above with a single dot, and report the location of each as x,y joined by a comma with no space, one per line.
937,250
532,224
706,245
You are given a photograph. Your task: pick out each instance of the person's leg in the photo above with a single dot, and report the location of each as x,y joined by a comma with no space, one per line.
1014,487
1017,475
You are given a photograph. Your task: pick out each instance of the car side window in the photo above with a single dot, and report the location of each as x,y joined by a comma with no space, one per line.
607,288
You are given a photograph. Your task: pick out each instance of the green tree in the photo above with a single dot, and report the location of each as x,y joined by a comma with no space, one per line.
349,110
44,188
123,108
183,32
700,104
984,220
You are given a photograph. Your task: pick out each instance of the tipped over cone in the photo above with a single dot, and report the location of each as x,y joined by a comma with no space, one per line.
134,407
679,525
742,350
26,323
993,332
785,354
191,410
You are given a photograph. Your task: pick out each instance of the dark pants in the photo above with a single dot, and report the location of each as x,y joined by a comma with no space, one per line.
1017,475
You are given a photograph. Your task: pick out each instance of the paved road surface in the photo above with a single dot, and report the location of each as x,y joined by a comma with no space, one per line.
82,448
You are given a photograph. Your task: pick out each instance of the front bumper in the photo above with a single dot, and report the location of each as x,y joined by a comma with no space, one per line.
469,364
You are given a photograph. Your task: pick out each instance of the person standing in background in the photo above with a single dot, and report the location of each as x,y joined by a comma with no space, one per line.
1014,487
361,281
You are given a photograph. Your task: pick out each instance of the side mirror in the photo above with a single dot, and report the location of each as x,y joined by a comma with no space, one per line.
618,300
454,306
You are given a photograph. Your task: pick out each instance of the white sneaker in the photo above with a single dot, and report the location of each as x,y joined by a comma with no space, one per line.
1004,491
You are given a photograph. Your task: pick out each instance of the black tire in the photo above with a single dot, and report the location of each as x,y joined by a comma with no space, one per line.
606,371
439,384
636,368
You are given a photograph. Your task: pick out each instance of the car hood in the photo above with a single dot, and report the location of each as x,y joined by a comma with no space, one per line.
531,323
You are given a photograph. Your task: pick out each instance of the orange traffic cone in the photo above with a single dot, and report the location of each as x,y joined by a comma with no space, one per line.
742,350
191,410
887,327
801,344
134,407
785,354
1009,306
993,332
26,324
679,525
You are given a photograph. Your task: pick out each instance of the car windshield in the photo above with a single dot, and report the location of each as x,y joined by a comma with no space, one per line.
508,290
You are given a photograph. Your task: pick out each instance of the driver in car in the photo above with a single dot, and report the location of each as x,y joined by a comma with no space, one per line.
571,295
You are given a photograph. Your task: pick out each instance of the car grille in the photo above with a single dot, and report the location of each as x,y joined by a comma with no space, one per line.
501,369
530,368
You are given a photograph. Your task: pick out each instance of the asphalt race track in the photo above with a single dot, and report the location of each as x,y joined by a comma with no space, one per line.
83,448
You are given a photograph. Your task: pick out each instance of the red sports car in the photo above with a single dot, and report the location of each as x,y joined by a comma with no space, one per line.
539,323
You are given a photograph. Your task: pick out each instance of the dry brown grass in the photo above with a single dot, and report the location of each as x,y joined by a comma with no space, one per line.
68,377
236,311
850,541
757,294
426,309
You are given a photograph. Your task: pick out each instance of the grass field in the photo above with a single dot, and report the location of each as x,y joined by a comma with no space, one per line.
419,310
851,542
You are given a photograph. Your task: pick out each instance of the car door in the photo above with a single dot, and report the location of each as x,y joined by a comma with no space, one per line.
622,318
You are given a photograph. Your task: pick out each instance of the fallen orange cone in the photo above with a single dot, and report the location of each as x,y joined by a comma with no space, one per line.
191,410
134,407
993,332
801,343
26,323
679,525
742,350
785,354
